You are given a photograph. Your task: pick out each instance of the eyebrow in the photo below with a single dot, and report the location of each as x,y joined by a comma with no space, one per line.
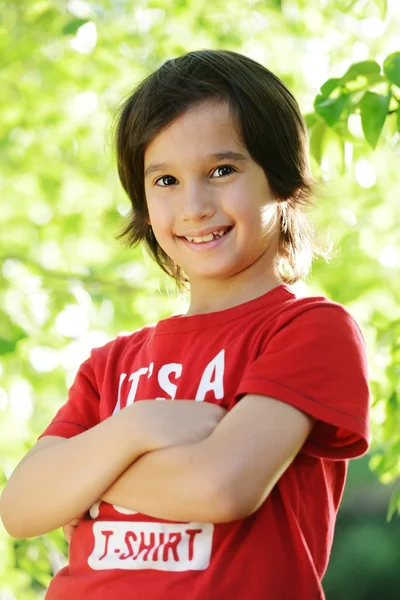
218,156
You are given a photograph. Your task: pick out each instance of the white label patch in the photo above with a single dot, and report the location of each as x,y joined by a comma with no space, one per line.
161,546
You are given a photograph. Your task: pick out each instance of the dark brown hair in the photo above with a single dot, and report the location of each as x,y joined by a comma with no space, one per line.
269,124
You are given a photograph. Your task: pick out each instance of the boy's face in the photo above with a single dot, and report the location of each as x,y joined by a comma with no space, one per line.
200,179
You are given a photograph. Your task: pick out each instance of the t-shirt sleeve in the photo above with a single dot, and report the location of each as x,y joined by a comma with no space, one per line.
317,363
81,411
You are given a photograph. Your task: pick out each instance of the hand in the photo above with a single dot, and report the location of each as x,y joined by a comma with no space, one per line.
70,527
174,422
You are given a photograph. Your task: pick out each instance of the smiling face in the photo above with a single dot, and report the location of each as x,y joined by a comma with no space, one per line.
201,180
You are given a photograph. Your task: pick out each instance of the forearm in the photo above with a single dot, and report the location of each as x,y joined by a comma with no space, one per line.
223,477
176,483
57,482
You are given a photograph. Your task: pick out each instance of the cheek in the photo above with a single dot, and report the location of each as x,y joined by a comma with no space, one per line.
158,213
236,202
163,232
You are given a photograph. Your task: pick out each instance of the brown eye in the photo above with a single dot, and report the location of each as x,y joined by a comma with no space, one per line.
223,171
166,181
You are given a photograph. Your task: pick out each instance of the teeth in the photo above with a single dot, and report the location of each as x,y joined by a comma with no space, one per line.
206,238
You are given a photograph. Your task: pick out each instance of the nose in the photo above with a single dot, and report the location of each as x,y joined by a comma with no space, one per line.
197,202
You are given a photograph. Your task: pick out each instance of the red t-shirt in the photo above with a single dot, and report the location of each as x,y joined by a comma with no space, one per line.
307,352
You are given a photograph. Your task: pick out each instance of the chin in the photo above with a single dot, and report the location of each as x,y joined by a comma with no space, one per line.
212,275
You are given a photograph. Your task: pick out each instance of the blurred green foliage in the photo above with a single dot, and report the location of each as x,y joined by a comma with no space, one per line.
66,285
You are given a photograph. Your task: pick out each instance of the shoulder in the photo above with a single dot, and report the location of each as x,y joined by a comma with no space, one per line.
296,305
317,315
315,359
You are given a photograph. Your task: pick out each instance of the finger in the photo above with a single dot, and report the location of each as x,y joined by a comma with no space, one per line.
68,530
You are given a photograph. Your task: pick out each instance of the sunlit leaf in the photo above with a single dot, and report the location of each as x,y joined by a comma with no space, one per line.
72,27
310,119
11,334
374,109
366,68
316,140
331,109
329,86
7,346
391,68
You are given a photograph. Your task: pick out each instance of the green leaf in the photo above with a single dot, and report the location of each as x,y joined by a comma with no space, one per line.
393,401
11,334
398,119
72,27
391,68
330,85
8,346
317,139
374,109
331,109
394,505
368,71
310,119
367,68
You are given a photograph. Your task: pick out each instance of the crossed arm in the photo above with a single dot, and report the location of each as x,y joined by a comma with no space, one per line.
223,476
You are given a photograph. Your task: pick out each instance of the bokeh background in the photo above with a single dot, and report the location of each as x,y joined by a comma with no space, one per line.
67,284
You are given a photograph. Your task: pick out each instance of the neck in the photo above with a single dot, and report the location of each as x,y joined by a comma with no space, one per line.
215,295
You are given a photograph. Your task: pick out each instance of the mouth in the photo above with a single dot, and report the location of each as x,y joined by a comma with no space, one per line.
205,239
207,243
